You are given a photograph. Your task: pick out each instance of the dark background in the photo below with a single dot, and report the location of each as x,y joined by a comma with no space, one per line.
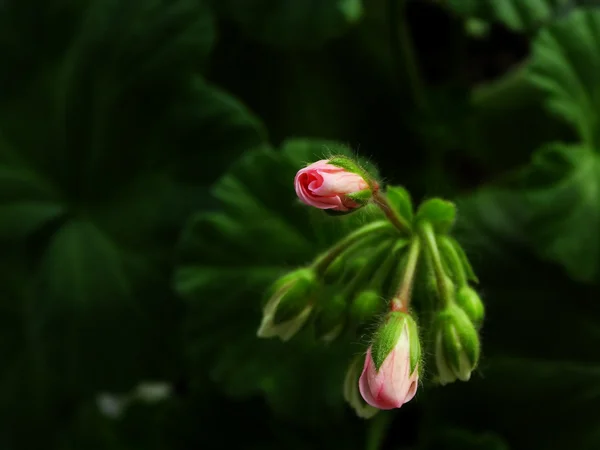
147,152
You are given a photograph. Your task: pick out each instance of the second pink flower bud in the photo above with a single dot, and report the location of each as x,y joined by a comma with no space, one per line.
390,375
328,186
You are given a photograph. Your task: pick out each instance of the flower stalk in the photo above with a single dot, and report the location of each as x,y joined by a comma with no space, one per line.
401,300
402,225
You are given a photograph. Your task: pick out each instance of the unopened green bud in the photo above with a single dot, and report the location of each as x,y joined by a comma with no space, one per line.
365,305
289,304
470,302
457,345
331,319
295,294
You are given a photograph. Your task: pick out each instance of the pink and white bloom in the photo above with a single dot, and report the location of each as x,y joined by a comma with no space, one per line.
326,186
394,384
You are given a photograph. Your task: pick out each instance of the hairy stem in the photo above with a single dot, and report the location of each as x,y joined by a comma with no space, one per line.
401,299
382,202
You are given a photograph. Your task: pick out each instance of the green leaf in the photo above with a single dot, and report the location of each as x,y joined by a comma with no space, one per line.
440,213
27,202
565,65
82,274
148,52
400,200
518,15
501,111
262,231
563,206
293,23
103,156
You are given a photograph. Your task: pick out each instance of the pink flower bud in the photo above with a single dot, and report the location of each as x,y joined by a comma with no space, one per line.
393,384
326,186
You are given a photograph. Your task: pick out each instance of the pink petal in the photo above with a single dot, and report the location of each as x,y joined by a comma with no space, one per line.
339,183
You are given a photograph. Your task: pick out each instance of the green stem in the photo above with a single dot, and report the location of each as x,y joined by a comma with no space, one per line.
402,46
325,259
401,299
382,202
428,236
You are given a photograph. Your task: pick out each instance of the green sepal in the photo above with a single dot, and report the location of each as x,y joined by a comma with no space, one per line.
451,344
470,302
464,259
415,343
441,214
331,315
296,290
387,336
400,200
366,305
361,197
349,165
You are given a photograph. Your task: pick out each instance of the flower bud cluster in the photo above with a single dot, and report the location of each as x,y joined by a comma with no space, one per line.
364,284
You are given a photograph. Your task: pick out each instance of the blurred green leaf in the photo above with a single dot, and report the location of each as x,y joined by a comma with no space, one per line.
562,198
517,15
27,201
507,122
565,65
293,23
103,155
230,257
